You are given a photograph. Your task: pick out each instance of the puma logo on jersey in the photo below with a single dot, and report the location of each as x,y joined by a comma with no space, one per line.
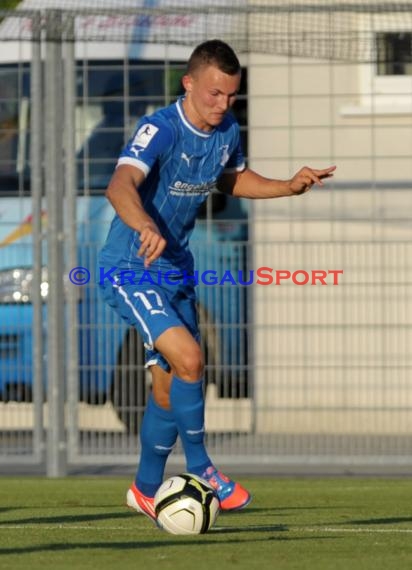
186,158
135,151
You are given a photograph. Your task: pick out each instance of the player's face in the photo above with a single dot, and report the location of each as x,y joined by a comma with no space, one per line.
209,95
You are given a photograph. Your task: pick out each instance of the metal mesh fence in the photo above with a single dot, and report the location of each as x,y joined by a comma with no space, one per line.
319,29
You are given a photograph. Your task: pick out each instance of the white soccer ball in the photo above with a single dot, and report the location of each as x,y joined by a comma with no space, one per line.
186,504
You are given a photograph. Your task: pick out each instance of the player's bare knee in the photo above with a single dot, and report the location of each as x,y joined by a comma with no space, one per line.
190,365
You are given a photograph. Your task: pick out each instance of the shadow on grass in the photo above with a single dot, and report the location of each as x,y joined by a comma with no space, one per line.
68,519
281,509
139,544
94,517
6,509
250,528
389,520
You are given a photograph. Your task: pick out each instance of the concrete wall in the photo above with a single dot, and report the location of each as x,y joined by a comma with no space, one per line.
331,358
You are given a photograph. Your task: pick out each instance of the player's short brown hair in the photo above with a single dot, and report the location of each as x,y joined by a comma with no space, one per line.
214,52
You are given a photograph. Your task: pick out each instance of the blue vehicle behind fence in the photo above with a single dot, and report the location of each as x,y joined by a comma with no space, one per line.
110,355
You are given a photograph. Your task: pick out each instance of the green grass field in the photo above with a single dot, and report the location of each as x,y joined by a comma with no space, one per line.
302,524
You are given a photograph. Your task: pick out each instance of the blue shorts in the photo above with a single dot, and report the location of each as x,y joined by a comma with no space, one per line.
152,309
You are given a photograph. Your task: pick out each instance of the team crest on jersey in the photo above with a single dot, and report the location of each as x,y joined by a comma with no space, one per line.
144,135
225,155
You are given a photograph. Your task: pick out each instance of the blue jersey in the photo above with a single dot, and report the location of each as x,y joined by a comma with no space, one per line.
182,165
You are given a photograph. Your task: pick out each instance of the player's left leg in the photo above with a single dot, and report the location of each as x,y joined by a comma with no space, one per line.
187,406
178,402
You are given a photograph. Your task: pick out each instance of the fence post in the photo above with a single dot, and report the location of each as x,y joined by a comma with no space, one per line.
37,190
70,183
56,436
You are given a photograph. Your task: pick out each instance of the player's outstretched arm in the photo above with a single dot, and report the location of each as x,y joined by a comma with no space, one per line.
250,184
303,180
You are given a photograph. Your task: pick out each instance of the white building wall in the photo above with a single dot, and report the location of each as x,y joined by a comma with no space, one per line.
331,359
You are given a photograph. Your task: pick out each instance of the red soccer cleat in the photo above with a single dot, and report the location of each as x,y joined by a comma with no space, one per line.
232,496
140,503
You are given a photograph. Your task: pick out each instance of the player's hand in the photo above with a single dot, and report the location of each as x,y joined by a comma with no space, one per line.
307,177
152,244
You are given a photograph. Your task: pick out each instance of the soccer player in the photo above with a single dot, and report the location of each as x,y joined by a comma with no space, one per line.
166,171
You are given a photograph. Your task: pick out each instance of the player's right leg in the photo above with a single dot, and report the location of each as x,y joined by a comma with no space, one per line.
149,310
158,433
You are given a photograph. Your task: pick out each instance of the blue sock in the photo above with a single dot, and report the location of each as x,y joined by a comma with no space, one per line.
188,407
158,434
